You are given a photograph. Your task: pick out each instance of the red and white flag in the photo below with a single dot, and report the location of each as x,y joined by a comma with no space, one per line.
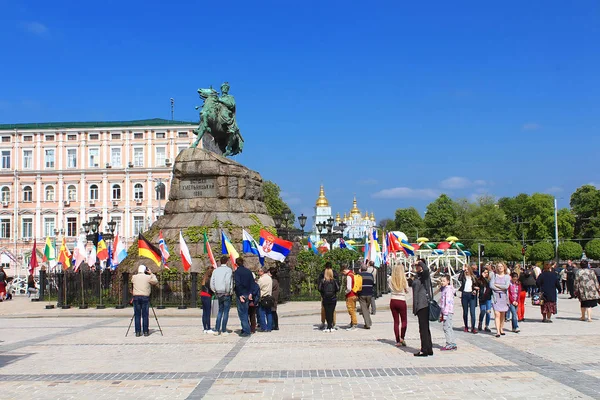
186,258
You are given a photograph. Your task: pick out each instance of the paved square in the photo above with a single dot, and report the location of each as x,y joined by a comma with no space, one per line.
50,354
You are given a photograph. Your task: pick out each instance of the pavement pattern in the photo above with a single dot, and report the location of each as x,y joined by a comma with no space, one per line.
65,354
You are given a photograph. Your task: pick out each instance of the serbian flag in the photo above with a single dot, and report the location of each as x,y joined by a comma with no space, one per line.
102,249
227,248
208,250
249,245
274,247
33,262
311,246
64,255
162,245
184,252
148,250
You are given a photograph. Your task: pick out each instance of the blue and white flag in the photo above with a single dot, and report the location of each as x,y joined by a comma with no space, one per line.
249,245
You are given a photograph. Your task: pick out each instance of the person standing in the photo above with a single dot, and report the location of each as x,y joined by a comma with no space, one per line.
373,271
587,289
548,284
522,298
350,296
142,282
571,271
514,291
499,285
273,275
366,294
243,292
253,306
485,300
3,284
265,316
422,291
221,283
206,295
329,287
447,311
468,288
398,289
321,277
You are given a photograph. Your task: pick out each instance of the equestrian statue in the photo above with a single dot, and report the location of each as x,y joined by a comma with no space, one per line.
217,118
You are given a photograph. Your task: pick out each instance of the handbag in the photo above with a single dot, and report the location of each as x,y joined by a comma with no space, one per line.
434,308
267,301
537,299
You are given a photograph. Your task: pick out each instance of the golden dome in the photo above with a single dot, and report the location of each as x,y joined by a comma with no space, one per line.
337,218
373,217
322,200
366,217
345,217
355,210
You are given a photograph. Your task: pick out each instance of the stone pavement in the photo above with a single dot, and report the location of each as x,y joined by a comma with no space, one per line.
62,354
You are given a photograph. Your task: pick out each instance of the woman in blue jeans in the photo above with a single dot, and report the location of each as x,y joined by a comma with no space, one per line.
485,300
206,295
469,288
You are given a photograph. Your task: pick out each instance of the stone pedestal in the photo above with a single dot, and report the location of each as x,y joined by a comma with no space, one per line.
209,193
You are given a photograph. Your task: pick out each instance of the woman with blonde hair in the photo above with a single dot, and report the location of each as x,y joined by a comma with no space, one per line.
329,287
499,283
398,288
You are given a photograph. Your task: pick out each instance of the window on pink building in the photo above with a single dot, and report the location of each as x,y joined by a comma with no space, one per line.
27,228
27,194
49,193
5,228
138,191
71,226
5,193
94,192
116,192
72,193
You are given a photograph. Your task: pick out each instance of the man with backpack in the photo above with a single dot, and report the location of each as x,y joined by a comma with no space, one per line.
366,294
353,286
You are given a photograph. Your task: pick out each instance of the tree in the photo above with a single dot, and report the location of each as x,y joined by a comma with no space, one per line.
486,221
566,223
409,221
341,256
387,224
309,267
570,251
541,251
274,202
440,220
585,204
592,249
539,213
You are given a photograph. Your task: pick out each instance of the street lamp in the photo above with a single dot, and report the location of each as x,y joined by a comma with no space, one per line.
160,193
302,221
329,232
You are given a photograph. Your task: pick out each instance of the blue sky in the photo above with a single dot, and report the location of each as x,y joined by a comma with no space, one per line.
395,102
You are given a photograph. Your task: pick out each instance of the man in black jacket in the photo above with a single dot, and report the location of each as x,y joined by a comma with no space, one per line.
571,279
422,291
243,291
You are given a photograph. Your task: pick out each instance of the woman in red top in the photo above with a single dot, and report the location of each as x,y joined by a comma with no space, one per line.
206,297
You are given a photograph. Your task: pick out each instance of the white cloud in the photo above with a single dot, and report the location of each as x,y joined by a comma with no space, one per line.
37,28
460,182
367,182
406,193
531,126
290,199
554,189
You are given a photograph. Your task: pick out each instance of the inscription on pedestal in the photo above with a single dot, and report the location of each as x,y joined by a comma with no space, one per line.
194,188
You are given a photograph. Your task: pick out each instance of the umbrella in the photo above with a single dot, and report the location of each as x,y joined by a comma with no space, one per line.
428,245
467,253
443,246
415,246
422,240
452,239
400,235
458,245
350,241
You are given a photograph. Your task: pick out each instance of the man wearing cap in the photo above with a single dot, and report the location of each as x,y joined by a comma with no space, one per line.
141,298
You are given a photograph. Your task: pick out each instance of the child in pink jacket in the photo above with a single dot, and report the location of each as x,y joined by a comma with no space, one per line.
447,311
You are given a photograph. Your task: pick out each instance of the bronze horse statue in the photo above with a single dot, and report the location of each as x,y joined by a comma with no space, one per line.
217,118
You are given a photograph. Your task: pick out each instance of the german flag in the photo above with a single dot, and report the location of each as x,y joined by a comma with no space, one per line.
148,250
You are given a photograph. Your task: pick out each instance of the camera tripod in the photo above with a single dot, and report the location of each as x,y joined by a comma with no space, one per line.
155,317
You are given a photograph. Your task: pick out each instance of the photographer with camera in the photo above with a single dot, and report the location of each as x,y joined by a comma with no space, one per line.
141,298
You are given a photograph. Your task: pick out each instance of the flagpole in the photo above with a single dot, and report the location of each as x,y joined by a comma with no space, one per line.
83,306
160,289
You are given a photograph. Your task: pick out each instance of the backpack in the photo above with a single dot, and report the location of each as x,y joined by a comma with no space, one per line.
356,283
329,289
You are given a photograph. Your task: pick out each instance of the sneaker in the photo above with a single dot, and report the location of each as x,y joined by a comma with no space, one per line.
225,333
516,330
367,327
473,330
326,330
322,327
487,329
216,333
335,328
351,328
448,347
466,329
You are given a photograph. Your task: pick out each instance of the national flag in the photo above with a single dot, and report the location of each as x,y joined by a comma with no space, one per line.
384,250
33,263
162,245
91,258
148,250
249,245
208,250
79,254
342,244
227,248
274,247
407,247
64,255
102,250
184,252
375,252
49,251
119,251
311,246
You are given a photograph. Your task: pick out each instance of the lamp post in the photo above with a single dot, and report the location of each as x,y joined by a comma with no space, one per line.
329,232
282,224
302,222
160,190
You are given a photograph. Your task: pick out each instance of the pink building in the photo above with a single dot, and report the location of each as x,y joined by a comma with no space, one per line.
55,176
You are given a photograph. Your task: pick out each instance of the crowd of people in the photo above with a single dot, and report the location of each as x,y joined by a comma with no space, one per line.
496,290
256,298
